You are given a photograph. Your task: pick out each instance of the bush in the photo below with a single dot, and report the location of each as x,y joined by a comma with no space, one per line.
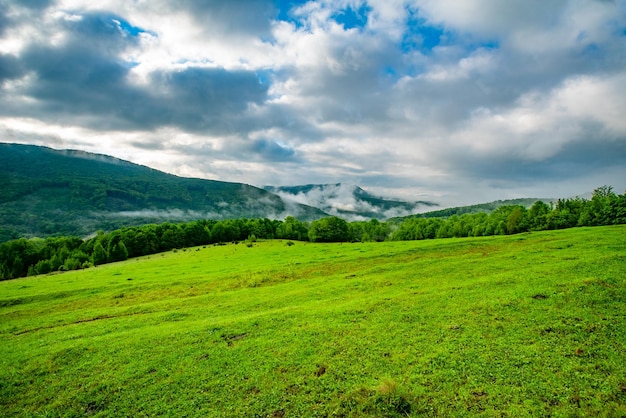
72,264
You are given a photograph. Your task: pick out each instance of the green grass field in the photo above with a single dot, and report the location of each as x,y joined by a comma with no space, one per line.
523,325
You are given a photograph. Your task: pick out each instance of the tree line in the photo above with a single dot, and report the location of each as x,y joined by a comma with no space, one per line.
25,257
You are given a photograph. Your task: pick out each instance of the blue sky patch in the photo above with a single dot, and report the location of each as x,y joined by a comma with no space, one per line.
264,76
353,18
285,7
421,36
128,28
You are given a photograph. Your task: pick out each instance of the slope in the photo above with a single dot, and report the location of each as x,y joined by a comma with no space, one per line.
472,209
524,325
51,192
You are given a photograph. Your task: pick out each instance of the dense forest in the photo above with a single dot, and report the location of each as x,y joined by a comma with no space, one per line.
24,257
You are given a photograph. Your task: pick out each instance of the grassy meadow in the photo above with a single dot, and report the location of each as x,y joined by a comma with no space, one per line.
523,325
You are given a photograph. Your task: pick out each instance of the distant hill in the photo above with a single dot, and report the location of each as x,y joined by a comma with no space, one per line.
50,192
348,201
482,207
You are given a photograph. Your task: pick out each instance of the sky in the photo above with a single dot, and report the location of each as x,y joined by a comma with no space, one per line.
456,102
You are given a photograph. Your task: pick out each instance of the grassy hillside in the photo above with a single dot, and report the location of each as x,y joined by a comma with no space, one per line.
50,192
523,325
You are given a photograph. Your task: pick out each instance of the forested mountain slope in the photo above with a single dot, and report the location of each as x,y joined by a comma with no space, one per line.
51,192
473,209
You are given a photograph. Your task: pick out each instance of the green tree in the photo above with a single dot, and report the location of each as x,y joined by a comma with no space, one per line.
331,229
516,221
537,215
292,228
72,264
117,252
566,214
99,255
18,268
4,271
602,206
43,267
169,236
58,259
195,234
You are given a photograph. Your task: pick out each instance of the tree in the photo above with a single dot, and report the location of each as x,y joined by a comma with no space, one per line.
291,228
4,271
58,259
118,252
602,206
18,269
566,214
515,222
99,256
537,215
376,230
170,237
43,267
331,229
195,234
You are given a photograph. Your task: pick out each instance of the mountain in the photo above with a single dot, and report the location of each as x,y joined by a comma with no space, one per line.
472,209
347,201
52,192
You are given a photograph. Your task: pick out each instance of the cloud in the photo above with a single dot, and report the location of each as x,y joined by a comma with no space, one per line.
10,67
542,124
248,18
410,96
86,80
346,201
272,150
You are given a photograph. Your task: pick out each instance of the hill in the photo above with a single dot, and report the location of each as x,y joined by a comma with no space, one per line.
51,192
523,325
348,201
472,209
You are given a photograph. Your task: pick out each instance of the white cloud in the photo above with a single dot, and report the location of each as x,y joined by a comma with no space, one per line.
482,61
542,124
216,89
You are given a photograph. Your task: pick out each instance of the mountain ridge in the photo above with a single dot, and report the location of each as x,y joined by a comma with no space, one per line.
68,192
486,207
